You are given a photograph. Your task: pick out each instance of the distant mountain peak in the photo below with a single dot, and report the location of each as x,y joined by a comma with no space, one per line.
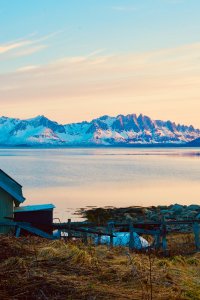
106,130
38,118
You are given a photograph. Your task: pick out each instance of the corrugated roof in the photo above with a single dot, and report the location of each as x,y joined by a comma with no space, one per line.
34,207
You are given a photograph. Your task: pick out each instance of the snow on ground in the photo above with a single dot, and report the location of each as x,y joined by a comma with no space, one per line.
123,239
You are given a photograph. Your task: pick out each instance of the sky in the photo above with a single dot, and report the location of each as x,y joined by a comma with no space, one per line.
77,60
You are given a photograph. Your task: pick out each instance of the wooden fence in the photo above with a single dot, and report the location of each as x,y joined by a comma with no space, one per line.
84,230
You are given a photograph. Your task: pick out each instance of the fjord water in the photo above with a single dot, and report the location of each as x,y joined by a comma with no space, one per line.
73,178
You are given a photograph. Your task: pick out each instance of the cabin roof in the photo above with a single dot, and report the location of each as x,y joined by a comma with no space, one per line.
34,207
10,177
11,186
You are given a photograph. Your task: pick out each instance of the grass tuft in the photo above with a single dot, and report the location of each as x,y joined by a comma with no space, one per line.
34,268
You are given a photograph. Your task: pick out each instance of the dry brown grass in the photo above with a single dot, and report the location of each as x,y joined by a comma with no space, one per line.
33,268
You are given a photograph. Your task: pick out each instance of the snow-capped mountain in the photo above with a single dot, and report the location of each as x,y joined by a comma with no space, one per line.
195,143
120,130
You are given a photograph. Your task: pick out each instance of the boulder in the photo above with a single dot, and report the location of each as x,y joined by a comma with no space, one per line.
177,208
198,217
193,207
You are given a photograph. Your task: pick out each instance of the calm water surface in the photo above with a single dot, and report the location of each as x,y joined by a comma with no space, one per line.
75,178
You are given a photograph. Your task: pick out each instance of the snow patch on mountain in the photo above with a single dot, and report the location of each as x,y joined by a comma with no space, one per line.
106,130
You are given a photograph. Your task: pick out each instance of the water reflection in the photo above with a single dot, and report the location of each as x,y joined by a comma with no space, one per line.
74,178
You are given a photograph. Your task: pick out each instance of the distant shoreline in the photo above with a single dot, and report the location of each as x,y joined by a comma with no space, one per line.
99,146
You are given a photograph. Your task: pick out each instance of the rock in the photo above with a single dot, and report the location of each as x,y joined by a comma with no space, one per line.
154,217
193,207
189,214
128,217
177,208
166,211
198,217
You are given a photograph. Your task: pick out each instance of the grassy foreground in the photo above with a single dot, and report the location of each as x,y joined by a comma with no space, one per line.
33,268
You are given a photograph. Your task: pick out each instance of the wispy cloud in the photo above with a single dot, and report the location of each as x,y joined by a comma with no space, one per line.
29,50
10,46
28,68
96,52
91,57
25,46
110,84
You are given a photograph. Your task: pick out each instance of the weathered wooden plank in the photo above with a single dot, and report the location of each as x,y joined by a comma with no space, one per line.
146,231
88,230
110,232
85,238
18,230
164,235
36,231
131,241
196,230
99,239
135,224
69,228
157,242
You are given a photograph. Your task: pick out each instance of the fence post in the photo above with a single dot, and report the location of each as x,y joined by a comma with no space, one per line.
110,230
69,229
17,233
59,233
132,241
164,235
196,231
99,239
157,240
85,238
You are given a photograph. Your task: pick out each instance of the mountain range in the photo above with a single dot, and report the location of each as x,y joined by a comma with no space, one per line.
109,131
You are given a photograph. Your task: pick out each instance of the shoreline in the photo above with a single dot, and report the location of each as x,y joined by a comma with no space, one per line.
173,212
120,146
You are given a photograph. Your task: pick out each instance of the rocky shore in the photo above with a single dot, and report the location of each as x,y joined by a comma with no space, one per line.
175,212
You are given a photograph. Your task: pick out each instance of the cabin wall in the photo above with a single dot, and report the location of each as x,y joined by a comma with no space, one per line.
6,210
42,219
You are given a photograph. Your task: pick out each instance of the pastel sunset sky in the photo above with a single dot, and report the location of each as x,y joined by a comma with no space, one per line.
75,60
